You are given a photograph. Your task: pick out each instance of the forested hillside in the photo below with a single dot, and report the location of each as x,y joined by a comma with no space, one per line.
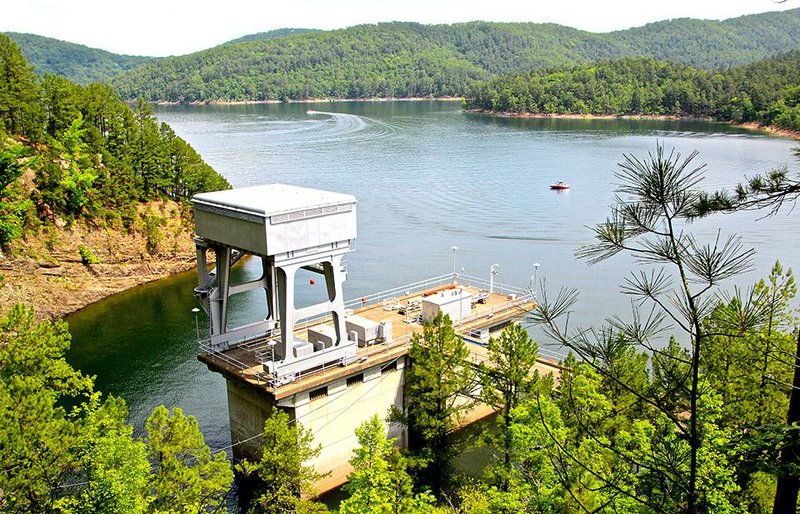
409,59
710,44
77,63
73,152
272,34
767,91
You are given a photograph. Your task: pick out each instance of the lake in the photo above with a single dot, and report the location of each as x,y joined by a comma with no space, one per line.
427,177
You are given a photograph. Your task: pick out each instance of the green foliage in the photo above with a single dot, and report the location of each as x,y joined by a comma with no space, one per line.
20,111
569,455
78,63
99,156
438,384
272,34
507,379
379,483
115,465
281,471
15,206
87,257
39,432
152,232
63,449
187,477
409,59
765,91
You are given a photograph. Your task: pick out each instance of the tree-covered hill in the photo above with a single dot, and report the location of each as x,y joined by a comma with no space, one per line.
272,34
767,91
409,59
77,63
712,44
72,153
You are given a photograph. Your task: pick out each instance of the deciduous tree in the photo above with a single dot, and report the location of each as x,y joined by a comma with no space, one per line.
379,482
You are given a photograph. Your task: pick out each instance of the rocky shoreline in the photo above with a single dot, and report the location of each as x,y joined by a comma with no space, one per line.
757,127
48,271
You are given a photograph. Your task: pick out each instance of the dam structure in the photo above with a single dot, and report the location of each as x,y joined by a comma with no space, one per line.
333,364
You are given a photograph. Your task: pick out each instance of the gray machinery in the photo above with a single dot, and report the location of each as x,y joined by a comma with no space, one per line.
288,228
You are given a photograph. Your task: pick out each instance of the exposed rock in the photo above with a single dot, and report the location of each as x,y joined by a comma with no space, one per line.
46,270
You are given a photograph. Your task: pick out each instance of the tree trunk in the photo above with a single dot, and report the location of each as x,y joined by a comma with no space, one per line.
789,485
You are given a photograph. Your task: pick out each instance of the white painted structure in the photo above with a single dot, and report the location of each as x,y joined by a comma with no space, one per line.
322,336
288,228
456,303
366,330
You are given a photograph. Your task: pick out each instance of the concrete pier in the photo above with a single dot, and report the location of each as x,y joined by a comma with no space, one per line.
332,401
334,364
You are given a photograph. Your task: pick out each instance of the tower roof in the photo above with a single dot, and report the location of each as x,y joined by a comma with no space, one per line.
272,199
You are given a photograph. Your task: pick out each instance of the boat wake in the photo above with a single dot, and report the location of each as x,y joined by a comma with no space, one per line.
341,126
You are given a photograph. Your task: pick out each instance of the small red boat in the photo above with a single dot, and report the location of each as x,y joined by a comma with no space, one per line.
559,185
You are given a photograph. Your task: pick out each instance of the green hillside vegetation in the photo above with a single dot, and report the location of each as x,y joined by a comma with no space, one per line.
272,34
766,92
413,60
711,44
77,63
73,152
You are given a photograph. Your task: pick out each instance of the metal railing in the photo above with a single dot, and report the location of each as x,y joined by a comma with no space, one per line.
518,298
205,347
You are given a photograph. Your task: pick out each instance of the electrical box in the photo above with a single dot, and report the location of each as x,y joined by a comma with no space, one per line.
385,331
322,337
456,303
365,329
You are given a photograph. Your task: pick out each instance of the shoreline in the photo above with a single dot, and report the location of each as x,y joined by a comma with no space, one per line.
46,270
750,125
314,100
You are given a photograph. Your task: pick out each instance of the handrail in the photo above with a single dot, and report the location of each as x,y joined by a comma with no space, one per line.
521,297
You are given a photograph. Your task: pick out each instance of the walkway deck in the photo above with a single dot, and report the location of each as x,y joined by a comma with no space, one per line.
400,306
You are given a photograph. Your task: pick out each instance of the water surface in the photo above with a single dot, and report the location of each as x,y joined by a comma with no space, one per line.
427,177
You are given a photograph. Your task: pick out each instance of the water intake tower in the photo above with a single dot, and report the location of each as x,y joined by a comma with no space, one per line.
333,364
288,228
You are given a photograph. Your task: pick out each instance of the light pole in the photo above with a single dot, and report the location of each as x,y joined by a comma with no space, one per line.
273,369
196,324
535,278
454,249
492,274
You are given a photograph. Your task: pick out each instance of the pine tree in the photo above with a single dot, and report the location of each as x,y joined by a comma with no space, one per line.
281,472
507,380
20,110
657,194
438,384
187,476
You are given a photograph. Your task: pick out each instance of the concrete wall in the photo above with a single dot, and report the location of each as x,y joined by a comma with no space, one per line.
331,417
334,418
248,410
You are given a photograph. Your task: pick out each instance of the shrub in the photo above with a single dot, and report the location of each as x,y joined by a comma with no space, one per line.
87,257
152,232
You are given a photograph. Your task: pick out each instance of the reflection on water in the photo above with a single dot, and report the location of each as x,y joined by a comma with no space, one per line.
427,177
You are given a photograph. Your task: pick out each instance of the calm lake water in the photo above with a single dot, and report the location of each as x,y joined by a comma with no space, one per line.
427,177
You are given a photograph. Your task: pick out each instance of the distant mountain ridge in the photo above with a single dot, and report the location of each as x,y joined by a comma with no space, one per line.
75,62
272,34
413,60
